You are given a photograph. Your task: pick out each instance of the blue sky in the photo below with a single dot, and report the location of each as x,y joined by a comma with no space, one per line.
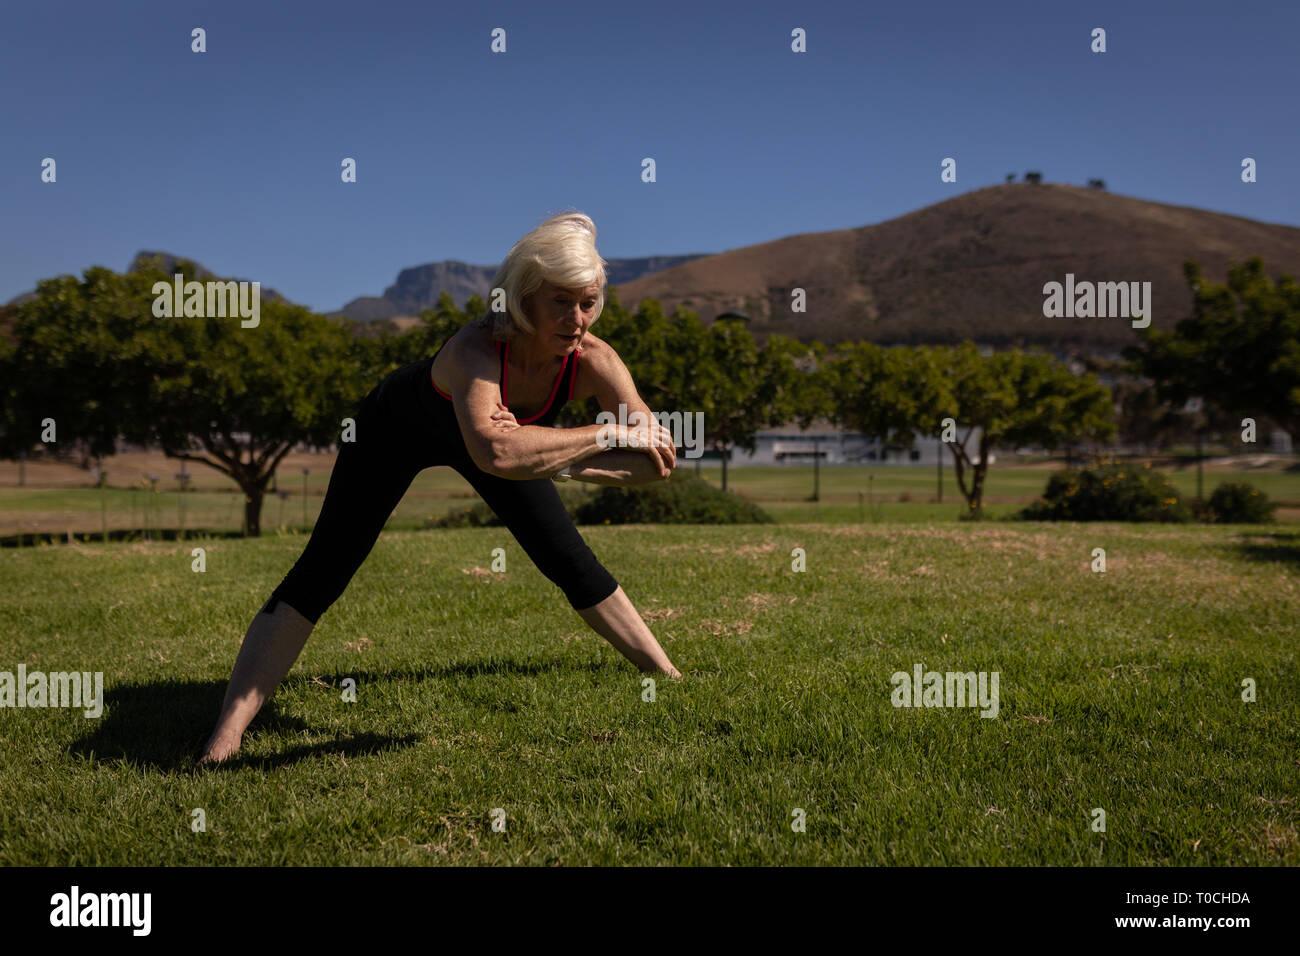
232,157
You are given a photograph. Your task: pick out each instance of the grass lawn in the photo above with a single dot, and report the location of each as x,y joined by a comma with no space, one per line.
477,691
847,494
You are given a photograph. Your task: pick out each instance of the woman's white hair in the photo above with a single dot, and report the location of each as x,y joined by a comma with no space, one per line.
561,251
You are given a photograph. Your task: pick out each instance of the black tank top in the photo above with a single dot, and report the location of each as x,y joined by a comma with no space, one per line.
561,390
421,420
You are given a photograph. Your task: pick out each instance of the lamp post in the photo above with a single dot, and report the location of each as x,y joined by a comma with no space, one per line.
817,473
151,508
1193,407
103,504
183,477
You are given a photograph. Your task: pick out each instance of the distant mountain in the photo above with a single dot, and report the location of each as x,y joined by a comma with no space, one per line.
973,266
167,262
419,287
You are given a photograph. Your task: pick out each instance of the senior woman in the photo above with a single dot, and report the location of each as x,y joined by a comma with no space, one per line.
483,405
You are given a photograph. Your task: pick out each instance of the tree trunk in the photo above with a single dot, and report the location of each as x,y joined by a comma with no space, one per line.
960,470
977,490
977,483
251,476
817,474
253,513
724,469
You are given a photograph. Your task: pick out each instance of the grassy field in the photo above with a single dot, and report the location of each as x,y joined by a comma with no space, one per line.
60,501
479,691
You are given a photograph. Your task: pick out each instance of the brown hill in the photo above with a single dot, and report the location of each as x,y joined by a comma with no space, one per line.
973,267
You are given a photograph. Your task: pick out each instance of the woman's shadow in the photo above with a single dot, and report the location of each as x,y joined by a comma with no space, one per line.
1278,547
163,724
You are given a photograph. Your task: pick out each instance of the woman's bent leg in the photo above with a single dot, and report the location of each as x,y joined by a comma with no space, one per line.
535,515
367,483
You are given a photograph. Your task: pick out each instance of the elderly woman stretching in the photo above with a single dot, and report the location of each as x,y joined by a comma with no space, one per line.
484,405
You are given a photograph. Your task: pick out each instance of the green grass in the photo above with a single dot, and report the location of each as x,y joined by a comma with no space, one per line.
479,691
784,492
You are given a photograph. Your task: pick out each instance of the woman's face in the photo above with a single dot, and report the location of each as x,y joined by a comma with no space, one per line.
561,316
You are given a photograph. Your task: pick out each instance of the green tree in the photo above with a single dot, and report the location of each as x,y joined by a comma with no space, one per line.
11,444
722,372
91,354
1010,398
887,393
77,357
680,365
240,399
443,321
1015,399
1239,350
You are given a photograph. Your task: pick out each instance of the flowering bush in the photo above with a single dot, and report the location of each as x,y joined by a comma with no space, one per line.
1109,491
1239,502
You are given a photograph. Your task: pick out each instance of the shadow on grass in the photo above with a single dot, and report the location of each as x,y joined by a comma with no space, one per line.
163,725
1281,547
350,745
493,667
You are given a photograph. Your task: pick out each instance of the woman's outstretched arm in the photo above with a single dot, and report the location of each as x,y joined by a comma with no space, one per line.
649,457
617,466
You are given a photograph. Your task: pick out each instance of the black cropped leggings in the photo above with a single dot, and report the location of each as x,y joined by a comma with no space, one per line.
395,441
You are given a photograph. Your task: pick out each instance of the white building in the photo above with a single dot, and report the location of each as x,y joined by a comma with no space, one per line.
791,445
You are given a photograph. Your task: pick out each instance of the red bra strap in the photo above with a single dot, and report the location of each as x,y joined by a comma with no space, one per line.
574,377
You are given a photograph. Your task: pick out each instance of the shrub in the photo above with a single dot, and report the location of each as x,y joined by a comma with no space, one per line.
683,499
1109,491
1239,502
477,515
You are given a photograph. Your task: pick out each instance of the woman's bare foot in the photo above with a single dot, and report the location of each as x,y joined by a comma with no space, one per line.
219,750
